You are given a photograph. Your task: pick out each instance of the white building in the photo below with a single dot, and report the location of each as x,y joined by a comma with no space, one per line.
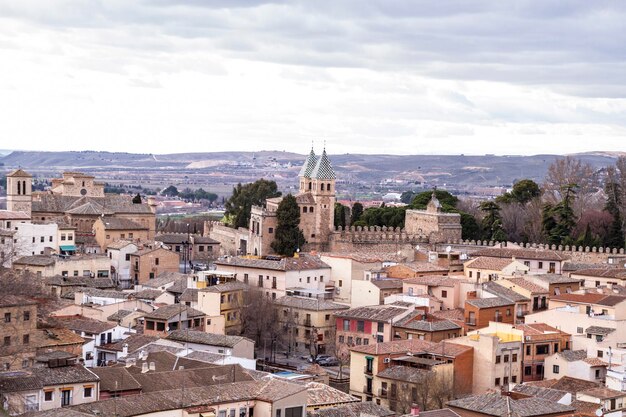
119,254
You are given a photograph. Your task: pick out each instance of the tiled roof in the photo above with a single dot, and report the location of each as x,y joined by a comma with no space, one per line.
169,311
488,263
119,315
433,281
37,378
285,264
226,287
590,298
556,279
205,338
306,303
374,313
595,362
533,329
603,393
164,279
189,295
13,215
148,294
414,322
358,409
117,223
495,404
444,412
396,346
501,291
535,254
619,273
116,379
14,300
386,284
325,395
19,173
457,314
403,373
419,266
583,408
528,285
366,256
265,390
83,324
205,376
489,302
58,280
323,169
308,165
570,266
539,392
110,203
599,330
573,355
566,383
36,260
119,244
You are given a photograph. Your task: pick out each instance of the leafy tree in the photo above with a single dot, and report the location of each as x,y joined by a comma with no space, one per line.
523,191
615,235
470,227
559,219
170,191
407,196
448,201
238,206
341,215
288,237
492,222
357,211
383,216
137,199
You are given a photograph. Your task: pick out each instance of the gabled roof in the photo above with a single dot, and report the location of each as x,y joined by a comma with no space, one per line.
496,404
37,378
373,313
307,303
433,281
169,311
204,338
308,165
489,302
357,409
13,215
323,169
83,324
324,395
573,355
489,263
566,383
535,254
602,272
284,264
19,173
528,285
116,223
502,291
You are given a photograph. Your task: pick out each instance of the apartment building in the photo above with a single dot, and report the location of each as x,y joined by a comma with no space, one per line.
147,264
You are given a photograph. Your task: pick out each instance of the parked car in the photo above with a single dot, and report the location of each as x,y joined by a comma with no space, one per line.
330,361
318,358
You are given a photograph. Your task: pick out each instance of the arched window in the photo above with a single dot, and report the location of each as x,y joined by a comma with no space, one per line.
23,187
310,185
19,188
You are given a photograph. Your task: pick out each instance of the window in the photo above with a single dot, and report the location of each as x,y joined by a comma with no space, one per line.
321,278
341,339
63,236
555,369
528,350
87,392
505,381
350,340
360,326
528,370
149,325
222,413
310,209
327,317
122,235
294,412
600,354
542,349
245,278
366,341
514,358
497,382
305,209
597,374
261,281
270,230
130,235
478,275
340,283
358,341
30,403
556,347
308,280
48,395
70,237
540,265
381,327
25,339
346,325
25,363
579,330
156,261
444,294
42,239
514,379
7,340
497,358
506,358
234,411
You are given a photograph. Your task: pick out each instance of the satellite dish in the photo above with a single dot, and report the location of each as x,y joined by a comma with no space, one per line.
599,412
448,249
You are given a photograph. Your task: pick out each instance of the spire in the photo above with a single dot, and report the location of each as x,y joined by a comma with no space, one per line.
323,169
309,164
434,205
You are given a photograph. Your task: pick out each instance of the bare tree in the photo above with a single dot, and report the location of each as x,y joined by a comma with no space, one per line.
567,171
259,317
339,350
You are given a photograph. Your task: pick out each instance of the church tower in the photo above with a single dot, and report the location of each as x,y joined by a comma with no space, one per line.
322,179
19,191
306,184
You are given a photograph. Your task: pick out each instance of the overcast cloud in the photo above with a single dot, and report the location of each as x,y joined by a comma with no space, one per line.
505,77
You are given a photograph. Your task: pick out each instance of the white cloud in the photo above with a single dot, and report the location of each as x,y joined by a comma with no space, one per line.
377,77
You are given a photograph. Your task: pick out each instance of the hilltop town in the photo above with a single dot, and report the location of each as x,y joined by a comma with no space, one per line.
295,307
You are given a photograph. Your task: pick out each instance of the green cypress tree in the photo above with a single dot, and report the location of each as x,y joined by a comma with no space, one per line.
288,238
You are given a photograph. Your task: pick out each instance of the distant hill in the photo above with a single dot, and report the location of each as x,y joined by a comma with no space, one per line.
460,170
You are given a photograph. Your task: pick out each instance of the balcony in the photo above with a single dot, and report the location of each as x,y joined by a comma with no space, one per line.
307,323
382,393
367,370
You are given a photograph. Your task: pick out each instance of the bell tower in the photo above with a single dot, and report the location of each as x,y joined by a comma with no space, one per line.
306,184
323,190
19,191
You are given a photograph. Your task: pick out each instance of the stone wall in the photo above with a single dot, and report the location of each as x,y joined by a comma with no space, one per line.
229,238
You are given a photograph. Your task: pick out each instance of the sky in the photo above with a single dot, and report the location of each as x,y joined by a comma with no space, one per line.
375,76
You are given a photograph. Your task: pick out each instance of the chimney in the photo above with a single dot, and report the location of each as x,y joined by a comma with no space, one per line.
124,350
144,367
415,410
152,366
